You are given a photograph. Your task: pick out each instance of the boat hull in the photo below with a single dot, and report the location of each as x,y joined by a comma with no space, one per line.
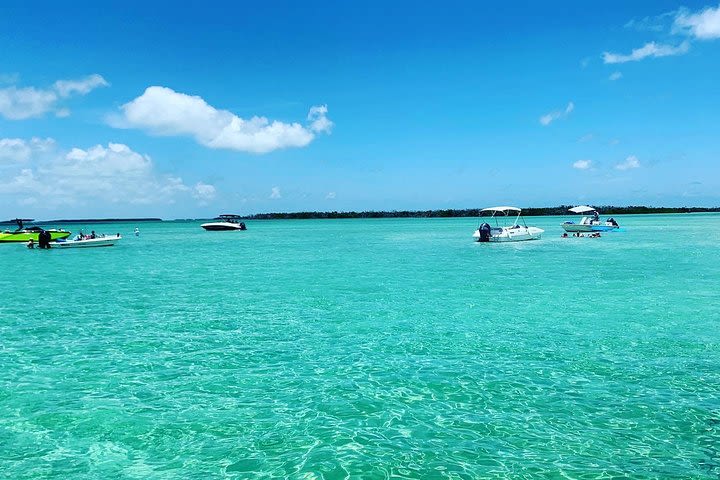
512,234
577,227
88,243
10,237
221,226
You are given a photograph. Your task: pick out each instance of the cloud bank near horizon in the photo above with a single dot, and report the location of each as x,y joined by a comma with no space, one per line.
38,170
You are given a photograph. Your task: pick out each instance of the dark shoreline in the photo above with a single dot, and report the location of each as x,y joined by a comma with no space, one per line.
86,220
608,210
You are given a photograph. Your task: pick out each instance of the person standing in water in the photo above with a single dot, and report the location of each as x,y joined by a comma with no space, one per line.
137,232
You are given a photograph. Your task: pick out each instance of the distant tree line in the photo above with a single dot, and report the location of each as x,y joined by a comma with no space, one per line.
85,220
473,212
446,213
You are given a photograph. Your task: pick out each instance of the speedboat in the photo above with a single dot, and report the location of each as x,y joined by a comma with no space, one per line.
25,234
85,242
225,222
508,232
589,223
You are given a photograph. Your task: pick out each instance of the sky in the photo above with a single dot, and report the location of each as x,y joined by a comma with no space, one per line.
188,110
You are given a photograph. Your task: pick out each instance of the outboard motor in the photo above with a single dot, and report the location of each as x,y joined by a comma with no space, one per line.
43,240
242,226
484,232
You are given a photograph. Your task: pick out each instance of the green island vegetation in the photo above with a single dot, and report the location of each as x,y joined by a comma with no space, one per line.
83,220
606,210
473,212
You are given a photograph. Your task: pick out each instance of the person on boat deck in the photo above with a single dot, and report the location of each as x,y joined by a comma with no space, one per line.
92,234
596,216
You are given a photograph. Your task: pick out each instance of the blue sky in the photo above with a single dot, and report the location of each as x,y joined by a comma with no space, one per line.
147,110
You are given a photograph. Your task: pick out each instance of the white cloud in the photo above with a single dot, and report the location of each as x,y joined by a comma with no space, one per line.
330,196
704,25
163,111
582,164
615,76
548,118
14,150
317,116
586,138
17,150
97,175
30,102
65,88
629,163
203,192
701,25
650,49
656,23
21,103
275,193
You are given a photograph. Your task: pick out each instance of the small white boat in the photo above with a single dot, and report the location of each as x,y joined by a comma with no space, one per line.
225,222
100,241
505,233
588,223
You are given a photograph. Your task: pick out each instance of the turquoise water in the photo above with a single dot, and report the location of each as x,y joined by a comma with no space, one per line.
364,348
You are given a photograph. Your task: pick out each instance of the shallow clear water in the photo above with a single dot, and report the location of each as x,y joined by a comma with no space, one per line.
373,348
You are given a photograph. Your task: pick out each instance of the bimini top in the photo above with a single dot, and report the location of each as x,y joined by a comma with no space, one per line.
228,216
501,209
582,209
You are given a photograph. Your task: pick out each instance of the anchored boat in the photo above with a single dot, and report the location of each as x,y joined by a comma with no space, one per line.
225,222
508,232
590,222
86,242
25,234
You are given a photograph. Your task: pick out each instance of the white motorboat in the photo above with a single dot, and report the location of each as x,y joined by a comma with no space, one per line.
85,242
589,223
507,232
225,222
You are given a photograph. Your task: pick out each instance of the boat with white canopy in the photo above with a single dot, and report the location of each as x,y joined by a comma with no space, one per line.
590,221
515,232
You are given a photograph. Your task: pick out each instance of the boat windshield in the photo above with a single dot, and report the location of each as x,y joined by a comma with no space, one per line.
229,218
